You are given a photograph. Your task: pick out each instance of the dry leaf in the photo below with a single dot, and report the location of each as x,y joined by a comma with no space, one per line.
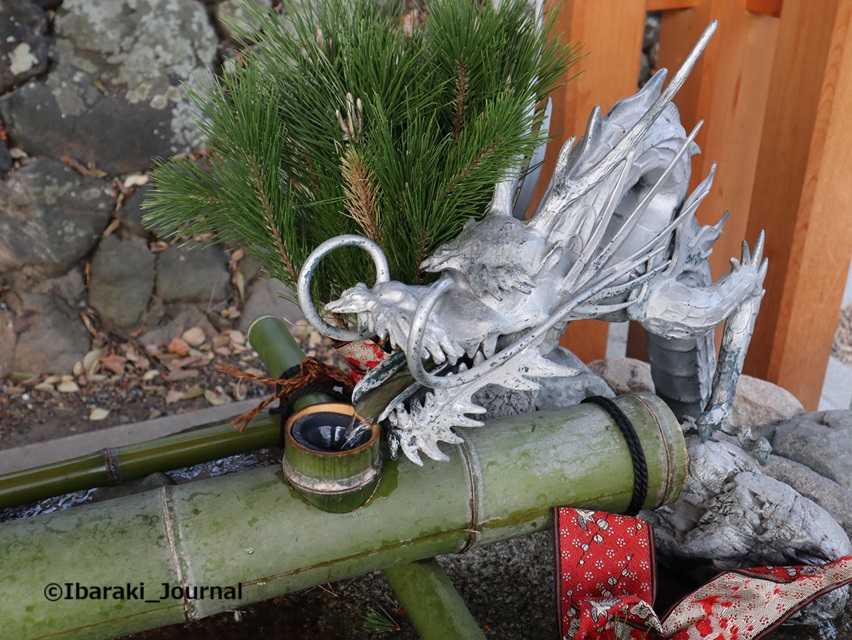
174,396
90,361
195,392
181,374
190,361
98,414
236,256
150,375
43,386
52,379
114,363
111,228
239,281
68,387
194,336
135,180
78,369
179,347
216,399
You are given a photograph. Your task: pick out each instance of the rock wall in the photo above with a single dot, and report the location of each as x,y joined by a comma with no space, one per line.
91,92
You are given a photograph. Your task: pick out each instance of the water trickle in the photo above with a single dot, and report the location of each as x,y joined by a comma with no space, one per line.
329,431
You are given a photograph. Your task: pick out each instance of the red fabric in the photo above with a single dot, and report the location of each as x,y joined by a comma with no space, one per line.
608,562
605,565
362,355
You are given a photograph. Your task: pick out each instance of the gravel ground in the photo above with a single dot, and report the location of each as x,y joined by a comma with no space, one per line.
121,382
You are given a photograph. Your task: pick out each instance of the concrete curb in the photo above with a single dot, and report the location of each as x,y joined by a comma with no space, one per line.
37,454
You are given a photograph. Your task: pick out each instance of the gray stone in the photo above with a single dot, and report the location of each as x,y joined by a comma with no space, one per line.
733,515
565,392
131,212
177,319
51,217
500,402
115,95
50,335
651,36
624,375
6,161
23,49
826,493
233,12
121,280
264,297
821,441
70,286
758,402
644,69
193,273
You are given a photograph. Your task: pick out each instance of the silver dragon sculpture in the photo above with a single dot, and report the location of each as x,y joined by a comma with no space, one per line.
614,238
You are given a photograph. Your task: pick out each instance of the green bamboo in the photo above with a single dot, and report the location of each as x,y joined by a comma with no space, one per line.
279,351
337,481
249,531
433,605
109,467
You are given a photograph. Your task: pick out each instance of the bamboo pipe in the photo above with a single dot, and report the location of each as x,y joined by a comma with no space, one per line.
249,532
435,608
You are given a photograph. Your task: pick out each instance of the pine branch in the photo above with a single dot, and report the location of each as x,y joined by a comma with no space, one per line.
441,111
361,194
269,217
461,97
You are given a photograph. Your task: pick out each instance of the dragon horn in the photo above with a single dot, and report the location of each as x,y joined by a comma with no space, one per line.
580,184
633,219
602,169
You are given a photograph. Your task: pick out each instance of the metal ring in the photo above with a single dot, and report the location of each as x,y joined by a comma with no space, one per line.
303,286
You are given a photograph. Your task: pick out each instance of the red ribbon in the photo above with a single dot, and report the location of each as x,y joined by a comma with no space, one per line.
606,581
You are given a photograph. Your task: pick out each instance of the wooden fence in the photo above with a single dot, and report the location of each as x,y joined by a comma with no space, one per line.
775,91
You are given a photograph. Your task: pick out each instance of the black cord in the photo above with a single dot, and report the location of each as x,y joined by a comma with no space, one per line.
637,454
327,387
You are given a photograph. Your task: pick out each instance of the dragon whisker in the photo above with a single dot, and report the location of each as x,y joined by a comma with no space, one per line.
633,219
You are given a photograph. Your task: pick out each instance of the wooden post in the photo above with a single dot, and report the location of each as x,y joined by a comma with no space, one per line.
728,89
611,34
802,196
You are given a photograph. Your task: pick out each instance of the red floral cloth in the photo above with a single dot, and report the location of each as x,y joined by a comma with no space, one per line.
606,582
748,603
608,578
